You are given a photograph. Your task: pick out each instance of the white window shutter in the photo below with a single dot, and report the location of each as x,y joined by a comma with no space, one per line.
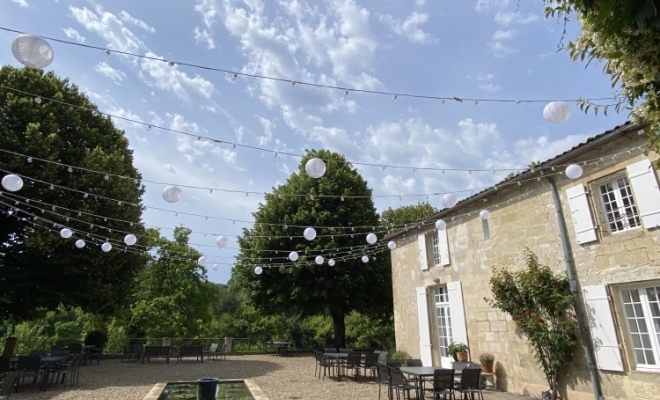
421,246
647,195
603,331
424,331
582,221
443,247
457,313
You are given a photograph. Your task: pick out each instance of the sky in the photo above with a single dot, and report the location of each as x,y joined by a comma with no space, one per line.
484,49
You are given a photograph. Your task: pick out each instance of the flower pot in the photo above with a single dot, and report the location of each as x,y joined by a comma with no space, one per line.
487,367
462,356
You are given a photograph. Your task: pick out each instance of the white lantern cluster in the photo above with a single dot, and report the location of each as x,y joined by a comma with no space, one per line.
391,245
106,247
372,238
309,233
556,112
172,194
130,239
331,262
66,233
365,259
319,260
574,171
293,256
440,225
12,183
216,267
202,261
449,200
222,241
32,51
484,214
315,168
80,243
258,270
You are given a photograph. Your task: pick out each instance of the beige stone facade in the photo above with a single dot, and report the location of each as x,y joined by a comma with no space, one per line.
524,216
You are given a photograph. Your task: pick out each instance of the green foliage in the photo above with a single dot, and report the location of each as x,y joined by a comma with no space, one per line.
306,288
39,270
457,347
361,327
399,355
394,218
541,305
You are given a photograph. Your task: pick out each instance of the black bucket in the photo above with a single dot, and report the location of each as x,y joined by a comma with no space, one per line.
206,388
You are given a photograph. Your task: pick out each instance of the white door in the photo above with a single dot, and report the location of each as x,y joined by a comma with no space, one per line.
424,331
443,324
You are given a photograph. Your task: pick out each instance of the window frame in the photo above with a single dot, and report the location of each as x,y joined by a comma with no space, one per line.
435,249
597,198
447,319
648,318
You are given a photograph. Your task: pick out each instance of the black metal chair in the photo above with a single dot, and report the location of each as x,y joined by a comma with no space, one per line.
321,362
9,383
5,366
39,353
66,370
369,363
393,363
353,362
469,383
60,353
414,362
31,367
400,383
384,379
74,348
95,354
135,350
443,383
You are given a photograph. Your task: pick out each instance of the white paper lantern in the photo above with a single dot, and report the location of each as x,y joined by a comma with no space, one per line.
331,262
293,256
106,247
258,270
222,241
574,171
216,267
365,259
33,51
315,168
66,233
484,214
130,239
449,200
309,233
391,245
319,260
172,194
440,225
80,243
556,112
12,183
202,261
372,238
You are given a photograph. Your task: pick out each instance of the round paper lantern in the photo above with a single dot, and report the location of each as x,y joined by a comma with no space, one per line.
106,247
66,233
372,238
574,171
130,239
80,243
216,267
484,214
331,262
556,112
33,51
202,261
319,260
449,200
12,183
391,245
440,225
365,259
293,256
222,241
172,194
315,168
309,233
258,270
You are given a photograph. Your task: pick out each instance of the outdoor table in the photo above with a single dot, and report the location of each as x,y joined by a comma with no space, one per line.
421,373
279,345
46,362
339,357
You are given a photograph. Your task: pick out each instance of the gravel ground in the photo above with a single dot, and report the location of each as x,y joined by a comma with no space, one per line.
281,378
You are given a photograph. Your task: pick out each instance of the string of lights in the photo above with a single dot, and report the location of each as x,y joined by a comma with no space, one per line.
344,89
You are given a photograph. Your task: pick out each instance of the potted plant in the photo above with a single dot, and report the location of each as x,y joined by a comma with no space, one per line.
487,360
400,355
459,351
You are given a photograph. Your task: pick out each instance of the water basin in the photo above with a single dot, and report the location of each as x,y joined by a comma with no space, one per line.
227,390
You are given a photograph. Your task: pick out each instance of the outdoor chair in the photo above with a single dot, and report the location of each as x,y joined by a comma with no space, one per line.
267,346
158,352
382,357
330,350
190,351
39,353
95,353
212,351
67,370
10,346
469,383
31,367
60,353
414,362
443,384
74,348
354,362
384,379
393,363
344,350
321,362
5,366
133,351
369,363
9,383
399,383
222,352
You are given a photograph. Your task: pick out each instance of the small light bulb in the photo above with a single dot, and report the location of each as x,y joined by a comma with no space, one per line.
171,63
107,52
37,99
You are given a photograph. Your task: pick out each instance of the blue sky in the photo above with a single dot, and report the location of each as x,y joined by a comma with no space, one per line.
463,48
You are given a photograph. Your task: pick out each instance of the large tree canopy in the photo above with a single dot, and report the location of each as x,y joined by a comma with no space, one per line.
38,269
395,218
307,288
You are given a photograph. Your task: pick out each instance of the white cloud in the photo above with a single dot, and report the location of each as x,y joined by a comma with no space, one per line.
135,21
484,77
410,27
268,126
209,10
485,5
489,87
116,75
205,36
195,90
396,185
496,45
542,148
506,18
504,35
73,34
109,27
22,3
420,2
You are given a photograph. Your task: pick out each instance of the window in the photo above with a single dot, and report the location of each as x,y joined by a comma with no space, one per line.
443,319
436,250
641,306
618,205
484,224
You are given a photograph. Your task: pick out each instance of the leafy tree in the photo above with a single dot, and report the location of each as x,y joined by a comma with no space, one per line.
307,288
174,297
38,269
392,218
541,305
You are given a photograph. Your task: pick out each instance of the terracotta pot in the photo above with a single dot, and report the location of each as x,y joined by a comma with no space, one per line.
462,357
487,367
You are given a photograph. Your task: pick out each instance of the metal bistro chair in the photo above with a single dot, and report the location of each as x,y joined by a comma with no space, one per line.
400,383
469,383
369,363
384,379
31,366
9,383
321,362
443,383
5,366
39,353
354,362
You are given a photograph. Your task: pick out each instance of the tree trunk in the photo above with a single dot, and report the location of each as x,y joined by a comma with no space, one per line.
340,329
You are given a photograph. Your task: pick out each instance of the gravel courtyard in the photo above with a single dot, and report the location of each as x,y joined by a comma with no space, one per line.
281,378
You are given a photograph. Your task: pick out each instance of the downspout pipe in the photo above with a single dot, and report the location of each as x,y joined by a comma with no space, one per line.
572,281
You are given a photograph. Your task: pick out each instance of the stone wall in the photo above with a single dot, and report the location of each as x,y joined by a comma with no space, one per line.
529,220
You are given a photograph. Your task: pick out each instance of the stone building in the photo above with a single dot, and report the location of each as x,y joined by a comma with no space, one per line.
612,214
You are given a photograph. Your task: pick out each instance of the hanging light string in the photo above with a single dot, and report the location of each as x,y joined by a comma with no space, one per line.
234,145
345,90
